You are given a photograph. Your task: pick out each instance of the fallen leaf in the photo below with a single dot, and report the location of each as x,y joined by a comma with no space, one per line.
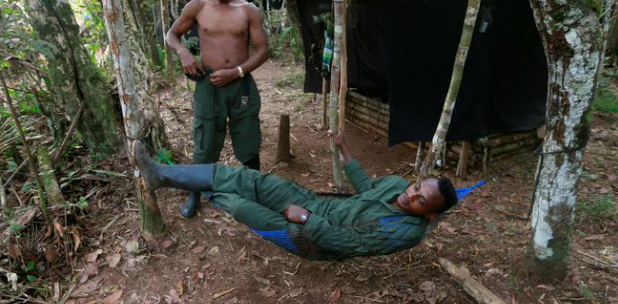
348,290
334,297
114,259
180,287
198,249
113,298
214,250
14,251
172,298
268,292
296,292
595,237
90,270
612,178
132,246
262,280
92,257
51,254
427,286
167,243
493,271
360,279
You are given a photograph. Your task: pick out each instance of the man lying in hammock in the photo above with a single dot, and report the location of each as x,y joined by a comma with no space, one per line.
386,215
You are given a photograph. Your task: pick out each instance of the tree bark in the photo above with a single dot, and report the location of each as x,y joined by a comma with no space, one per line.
48,177
132,90
572,37
439,139
75,78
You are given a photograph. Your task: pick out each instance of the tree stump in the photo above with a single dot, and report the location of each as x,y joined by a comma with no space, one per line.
283,143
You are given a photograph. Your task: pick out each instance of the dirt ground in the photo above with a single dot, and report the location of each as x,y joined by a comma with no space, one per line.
212,259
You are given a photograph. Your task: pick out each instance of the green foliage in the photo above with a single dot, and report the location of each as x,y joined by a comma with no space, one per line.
292,79
16,228
602,207
82,204
164,156
605,99
89,14
285,43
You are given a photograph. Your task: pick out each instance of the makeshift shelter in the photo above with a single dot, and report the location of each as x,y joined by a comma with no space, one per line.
401,53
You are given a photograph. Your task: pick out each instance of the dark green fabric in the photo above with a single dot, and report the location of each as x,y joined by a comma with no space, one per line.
336,229
213,106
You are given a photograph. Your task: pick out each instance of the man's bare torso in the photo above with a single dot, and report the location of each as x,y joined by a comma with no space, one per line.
224,33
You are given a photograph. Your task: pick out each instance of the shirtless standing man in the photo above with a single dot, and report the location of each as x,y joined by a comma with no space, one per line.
224,86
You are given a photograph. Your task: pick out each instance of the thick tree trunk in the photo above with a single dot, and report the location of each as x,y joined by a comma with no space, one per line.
132,91
75,78
439,139
572,36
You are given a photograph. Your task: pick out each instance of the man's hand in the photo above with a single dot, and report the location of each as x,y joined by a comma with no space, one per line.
189,64
293,213
339,141
223,77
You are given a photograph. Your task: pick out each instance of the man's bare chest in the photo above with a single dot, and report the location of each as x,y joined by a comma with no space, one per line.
223,22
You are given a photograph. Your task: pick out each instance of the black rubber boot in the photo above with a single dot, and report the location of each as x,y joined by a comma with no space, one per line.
188,177
253,163
189,209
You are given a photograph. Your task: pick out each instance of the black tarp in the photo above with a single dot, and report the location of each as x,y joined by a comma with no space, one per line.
403,52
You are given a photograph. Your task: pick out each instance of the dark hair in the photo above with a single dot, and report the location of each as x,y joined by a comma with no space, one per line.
448,193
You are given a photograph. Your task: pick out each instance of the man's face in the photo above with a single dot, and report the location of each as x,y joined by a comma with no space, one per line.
422,199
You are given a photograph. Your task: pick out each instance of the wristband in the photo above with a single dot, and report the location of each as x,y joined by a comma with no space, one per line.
241,74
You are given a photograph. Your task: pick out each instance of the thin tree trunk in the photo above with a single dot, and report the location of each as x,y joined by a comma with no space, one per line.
136,123
439,138
334,96
572,37
75,78
155,131
48,177
31,160
169,59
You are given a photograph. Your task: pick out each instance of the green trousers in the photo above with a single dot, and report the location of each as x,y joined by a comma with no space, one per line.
258,200
238,101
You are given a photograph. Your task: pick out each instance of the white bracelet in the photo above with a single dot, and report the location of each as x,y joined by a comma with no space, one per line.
240,72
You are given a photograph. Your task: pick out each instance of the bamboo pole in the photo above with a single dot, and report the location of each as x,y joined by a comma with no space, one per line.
324,103
334,97
438,141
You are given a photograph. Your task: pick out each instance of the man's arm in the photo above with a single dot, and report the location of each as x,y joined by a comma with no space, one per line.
180,27
358,177
258,40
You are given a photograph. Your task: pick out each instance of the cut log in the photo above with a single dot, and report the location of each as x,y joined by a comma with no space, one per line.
283,144
475,289
462,166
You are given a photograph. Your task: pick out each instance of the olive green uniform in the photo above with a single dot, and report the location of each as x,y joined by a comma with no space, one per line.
240,101
364,224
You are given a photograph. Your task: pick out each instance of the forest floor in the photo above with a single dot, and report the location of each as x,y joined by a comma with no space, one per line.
213,259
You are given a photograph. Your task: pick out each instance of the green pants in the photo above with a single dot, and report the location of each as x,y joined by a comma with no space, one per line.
258,200
240,102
